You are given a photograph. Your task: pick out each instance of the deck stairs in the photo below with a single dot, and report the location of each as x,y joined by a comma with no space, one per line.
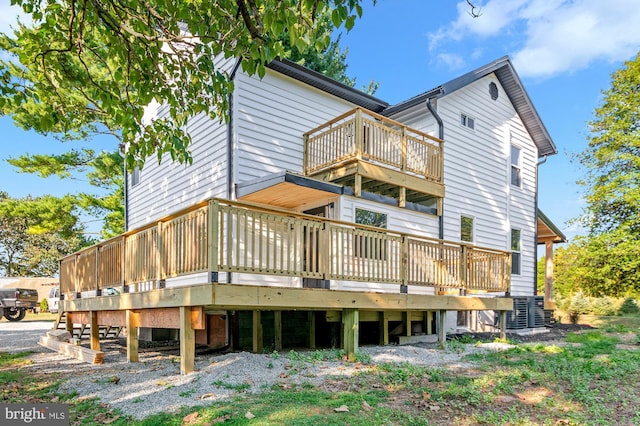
81,331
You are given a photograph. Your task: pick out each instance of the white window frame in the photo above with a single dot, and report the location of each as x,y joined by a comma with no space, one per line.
515,166
473,228
516,253
467,121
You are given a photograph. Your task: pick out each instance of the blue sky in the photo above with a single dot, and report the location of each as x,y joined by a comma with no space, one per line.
564,52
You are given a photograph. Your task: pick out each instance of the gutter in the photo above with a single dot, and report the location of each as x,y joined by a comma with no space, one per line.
433,112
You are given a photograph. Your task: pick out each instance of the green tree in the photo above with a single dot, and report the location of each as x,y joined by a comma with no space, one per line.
609,258
35,233
104,171
91,67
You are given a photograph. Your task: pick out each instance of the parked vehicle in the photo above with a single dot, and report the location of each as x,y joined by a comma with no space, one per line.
14,302
54,299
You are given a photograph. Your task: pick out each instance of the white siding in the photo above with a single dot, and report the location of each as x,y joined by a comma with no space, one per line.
170,186
477,174
272,115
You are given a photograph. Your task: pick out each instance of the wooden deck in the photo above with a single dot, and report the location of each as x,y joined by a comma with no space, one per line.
221,237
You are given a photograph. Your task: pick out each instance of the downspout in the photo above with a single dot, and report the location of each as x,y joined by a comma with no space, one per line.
230,168
126,192
433,112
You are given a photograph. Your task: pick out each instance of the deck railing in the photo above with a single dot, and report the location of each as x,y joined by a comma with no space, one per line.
361,134
223,236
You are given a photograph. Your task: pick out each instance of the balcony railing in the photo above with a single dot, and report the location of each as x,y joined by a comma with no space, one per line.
222,236
364,135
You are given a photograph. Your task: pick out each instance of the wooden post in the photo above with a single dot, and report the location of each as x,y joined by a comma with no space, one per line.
548,271
407,323
430,315
359,136
133,320
350,328
312,330
357,190
402,201
277,324
305,154
160,272
213,235
257,332
384,328
95,331
442,334
187,341
503,324
463,267
68,324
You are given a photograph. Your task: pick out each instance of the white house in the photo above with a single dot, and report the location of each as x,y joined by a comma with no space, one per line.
426,206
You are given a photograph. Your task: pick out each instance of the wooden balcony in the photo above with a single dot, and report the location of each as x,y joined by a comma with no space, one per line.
223,236
373,153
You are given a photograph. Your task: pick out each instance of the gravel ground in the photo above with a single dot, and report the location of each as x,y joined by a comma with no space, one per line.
155,384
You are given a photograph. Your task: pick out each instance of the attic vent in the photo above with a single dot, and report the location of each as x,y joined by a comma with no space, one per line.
493,90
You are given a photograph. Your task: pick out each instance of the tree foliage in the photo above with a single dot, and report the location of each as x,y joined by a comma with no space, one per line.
91,66
35,233
103,170
607,261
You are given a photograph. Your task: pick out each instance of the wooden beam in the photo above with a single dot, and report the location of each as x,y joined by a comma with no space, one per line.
95,332
442,334
230,297
187,342
399,178
74,351
350,332
133,318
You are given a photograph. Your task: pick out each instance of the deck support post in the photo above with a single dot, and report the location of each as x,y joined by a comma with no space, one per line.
384,328
277,325
350,332
95,331
132,319
442,334
312,330
503,324
187,341
257,332
407,323
68,324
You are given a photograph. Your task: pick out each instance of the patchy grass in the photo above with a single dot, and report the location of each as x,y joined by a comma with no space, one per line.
591,379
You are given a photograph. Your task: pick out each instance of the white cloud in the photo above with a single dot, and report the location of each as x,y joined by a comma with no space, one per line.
452,60
549,37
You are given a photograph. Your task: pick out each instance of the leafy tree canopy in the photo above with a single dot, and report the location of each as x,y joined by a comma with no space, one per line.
89,66
35,233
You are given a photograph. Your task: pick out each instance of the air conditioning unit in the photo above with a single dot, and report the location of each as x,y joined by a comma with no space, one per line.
535,312
517,319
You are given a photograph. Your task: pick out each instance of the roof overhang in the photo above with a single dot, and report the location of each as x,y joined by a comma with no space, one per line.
548,231
288,190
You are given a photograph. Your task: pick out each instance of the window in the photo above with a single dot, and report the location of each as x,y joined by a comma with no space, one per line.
466,229
516,172
493,91
135,176
515,252
467,121
367,246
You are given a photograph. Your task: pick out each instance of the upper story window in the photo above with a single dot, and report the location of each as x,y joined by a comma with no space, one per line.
467,121
515,252
466,229
516,168
367,217
135,176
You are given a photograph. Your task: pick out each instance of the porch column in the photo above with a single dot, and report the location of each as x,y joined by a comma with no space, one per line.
548,271
187,341
350,332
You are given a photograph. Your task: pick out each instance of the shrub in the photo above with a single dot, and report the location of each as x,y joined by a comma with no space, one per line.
603,306
579,305
44,305
629,306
